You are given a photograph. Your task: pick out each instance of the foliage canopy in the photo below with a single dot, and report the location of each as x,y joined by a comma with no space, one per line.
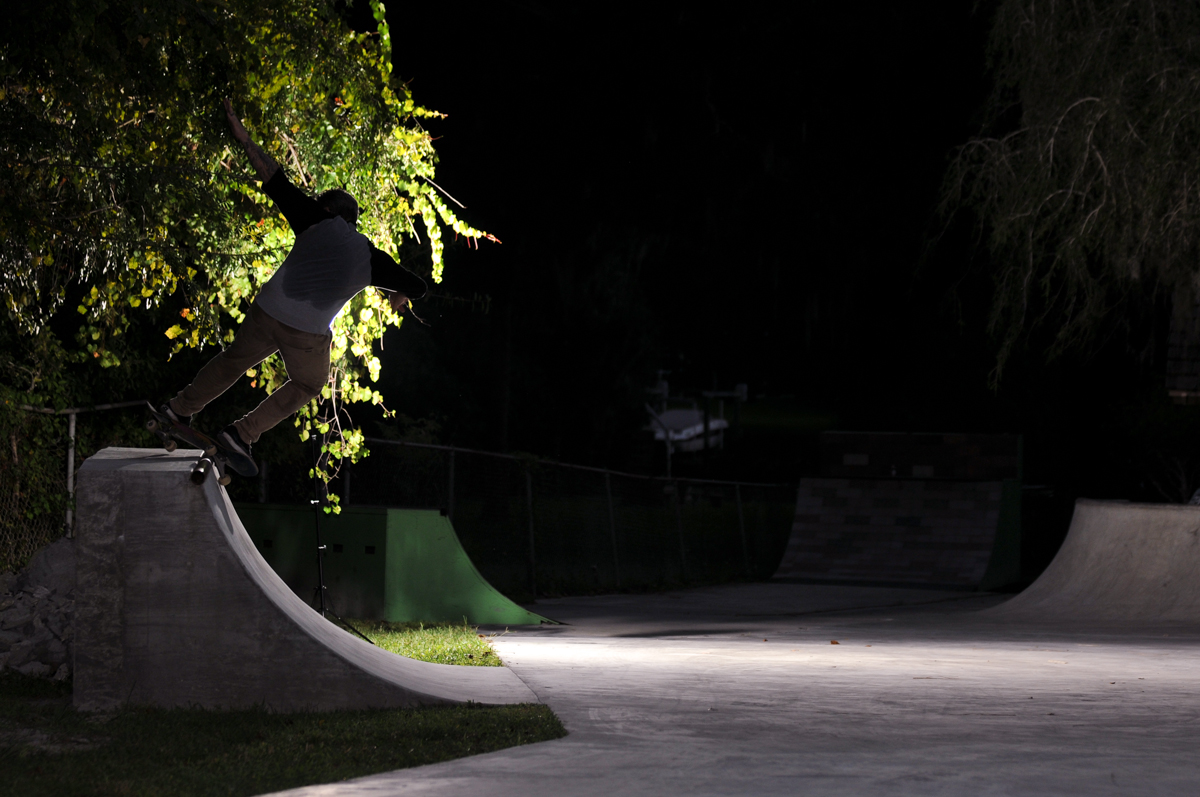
1086,178
121,188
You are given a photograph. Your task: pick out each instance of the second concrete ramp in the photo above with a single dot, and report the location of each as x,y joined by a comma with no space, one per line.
1120,563
400,565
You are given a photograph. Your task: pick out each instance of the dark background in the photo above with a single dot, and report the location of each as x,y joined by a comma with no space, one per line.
740,195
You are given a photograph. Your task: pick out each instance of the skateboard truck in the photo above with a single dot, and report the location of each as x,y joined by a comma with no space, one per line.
171,433
206,465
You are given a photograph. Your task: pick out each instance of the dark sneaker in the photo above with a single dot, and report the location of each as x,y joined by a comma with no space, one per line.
186,420
237,450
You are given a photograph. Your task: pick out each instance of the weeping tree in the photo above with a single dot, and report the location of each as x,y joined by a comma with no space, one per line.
121,193
1086,180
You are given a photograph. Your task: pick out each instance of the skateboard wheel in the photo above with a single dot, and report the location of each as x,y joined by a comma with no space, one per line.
152,425
170,445
211,451
225,480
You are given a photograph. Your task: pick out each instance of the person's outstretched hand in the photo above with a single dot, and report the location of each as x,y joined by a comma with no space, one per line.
399,302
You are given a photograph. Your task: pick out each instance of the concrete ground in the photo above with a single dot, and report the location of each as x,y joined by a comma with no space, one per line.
739,690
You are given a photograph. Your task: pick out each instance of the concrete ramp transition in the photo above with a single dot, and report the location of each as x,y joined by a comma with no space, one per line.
174,606
402,565
1120,563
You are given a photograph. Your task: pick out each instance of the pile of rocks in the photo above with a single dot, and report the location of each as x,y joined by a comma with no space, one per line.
36,606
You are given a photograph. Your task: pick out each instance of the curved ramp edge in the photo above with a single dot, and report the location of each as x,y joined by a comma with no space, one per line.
1120,563
432,578
175,606
401,565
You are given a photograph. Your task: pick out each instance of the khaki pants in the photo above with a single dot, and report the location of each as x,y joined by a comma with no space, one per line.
305,355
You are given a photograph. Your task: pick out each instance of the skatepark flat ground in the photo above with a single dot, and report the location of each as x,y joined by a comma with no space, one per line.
737,690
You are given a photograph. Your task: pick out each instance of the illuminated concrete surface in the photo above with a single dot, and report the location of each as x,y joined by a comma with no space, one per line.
680,694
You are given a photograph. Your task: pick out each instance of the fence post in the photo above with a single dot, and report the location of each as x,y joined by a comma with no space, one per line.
450,490
737,491
71,475
612,526
679,529
532,550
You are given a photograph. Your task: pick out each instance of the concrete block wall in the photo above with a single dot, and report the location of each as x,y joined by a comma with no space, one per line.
893,530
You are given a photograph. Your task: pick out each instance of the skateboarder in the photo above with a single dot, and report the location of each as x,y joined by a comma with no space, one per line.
330,262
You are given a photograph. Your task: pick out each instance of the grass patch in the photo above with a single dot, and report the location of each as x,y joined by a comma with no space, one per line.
47,748
440,643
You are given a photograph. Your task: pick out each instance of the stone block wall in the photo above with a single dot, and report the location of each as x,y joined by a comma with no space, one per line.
892,530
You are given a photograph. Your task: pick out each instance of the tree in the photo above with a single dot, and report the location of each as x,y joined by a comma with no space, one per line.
1085,180
122,195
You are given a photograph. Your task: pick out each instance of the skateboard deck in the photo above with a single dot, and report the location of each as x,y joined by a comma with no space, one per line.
216,458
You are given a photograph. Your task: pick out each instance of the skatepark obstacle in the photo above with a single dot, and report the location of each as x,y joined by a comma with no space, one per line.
1120,563
960,535
400,565
174,607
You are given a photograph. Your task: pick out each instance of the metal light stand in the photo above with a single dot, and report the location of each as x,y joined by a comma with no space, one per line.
320,588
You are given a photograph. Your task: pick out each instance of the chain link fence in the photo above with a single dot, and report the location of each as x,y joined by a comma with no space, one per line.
531,527
38,463
33,489
534,527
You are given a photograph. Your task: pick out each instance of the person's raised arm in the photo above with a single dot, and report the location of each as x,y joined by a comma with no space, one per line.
264,165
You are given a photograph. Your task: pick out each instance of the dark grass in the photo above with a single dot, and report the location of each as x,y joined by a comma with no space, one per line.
47,748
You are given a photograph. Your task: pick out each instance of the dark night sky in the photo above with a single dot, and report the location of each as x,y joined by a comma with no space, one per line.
740,194
780,166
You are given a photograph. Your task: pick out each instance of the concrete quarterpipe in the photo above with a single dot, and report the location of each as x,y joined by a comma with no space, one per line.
402,565
174,606
1120,563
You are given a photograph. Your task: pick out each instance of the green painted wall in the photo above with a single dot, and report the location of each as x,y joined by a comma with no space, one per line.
401,565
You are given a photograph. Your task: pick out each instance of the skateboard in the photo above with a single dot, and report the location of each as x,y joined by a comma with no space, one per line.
216,458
